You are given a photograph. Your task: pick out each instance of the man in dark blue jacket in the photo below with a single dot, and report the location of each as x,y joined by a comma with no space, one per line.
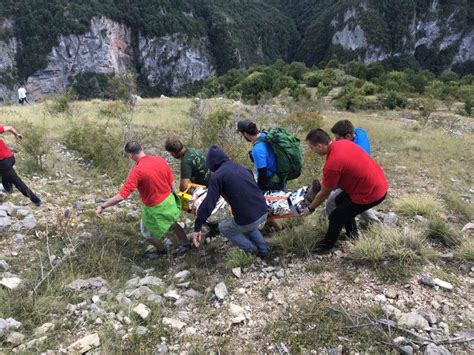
236,184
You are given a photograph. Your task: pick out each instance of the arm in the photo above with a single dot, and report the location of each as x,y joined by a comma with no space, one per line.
206,208
319,198
262,180
183,184
13,131
110,202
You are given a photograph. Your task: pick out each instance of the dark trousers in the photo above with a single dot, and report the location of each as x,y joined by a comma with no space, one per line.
344,216
10,178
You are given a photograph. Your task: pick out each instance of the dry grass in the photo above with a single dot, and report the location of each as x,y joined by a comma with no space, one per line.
466,250
422,205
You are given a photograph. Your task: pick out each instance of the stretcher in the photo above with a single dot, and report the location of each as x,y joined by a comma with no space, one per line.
281,204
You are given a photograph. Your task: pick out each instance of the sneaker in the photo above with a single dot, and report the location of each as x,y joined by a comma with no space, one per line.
155,255
8,189
182,249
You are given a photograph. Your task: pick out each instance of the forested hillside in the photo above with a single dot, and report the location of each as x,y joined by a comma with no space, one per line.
428,34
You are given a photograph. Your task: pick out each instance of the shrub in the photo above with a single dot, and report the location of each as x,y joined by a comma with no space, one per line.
61,104
439,232
393,100
314,78
423,205
369,89
239,258
466,250
301,122
297,70
393,254
99,145
350,98
36,147
300,241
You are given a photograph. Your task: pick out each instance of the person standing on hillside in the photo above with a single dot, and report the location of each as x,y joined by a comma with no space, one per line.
154,180
344,129
360,178
22,95
8,173
237,185
264,160
193,163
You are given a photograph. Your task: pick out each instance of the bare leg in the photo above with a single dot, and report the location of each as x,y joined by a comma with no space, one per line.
180,233
275,224
160,247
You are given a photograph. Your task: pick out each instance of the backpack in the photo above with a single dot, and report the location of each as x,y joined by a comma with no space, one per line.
287,150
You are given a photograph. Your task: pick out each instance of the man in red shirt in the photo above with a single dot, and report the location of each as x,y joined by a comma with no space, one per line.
7,172
154,180
360,178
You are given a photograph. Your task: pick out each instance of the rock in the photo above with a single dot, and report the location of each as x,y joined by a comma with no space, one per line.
35,342
220,291
391,219
5,224
182,275
15,338
162,349
430,317
137,270
443,284
237,271
174,323
192,294
468,227
399,340
85,344
155,299
426,280
236,310
391,294
22,212
238,319
420,219
122,299
46,327
447,256
413,321
133,283
94,282
151,281
407,349
28,223
140,293
141,330
142,310
280,274
8,324
432,349
4,265
380,298
11,283
172,294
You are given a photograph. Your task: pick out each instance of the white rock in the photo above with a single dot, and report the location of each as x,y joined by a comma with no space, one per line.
5,224
141,330
142,310
46,327
133,283
468,227
192,294
182,275
172,294
93,282
380,298
15,338
413,321
237,271
235,310
174,323
238,319
220,290
155,299
11,282
85,344
432,349
4,265
443,284
151,281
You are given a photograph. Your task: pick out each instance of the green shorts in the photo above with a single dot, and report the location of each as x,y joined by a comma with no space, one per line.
158,219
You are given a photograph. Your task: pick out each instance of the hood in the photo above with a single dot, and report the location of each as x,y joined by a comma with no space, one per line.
215,157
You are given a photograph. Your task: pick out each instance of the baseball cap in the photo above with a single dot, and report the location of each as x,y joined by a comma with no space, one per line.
243,125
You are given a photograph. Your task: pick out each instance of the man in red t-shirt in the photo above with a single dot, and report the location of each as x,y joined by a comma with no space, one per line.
8,173
154,180
360,178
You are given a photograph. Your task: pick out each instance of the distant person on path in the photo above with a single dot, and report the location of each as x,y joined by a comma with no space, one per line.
237,185
360,178
344,129
8,173
193,163
264,160
154,180
22,95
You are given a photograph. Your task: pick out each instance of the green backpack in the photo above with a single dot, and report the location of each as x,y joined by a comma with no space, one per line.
287,152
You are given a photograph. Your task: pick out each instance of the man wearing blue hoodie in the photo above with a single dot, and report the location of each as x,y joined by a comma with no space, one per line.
238,187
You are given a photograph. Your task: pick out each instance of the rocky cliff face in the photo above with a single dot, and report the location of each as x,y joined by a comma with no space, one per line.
168,62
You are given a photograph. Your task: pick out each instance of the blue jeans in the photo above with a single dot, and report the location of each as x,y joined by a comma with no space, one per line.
247,237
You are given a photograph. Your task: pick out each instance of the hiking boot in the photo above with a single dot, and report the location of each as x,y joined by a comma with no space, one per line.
36,200
213,231
8,188
182,249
